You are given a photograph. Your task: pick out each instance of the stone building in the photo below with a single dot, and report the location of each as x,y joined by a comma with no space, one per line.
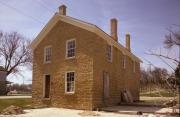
3,81
77,65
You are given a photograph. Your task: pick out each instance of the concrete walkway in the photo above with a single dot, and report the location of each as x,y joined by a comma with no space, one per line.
14,97
61,112
134,109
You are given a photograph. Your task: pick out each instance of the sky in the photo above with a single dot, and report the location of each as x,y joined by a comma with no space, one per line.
146,21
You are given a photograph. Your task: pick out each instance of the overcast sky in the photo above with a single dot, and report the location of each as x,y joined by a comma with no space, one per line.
146,20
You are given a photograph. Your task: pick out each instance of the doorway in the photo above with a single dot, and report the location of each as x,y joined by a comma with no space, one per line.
47,81
105,85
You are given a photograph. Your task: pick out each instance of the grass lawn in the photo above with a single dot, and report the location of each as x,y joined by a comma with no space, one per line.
24,103
158,94
154,100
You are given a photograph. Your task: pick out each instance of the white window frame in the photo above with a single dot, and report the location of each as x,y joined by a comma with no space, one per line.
72,92
111,52
66,56
124,61
46,47
134,66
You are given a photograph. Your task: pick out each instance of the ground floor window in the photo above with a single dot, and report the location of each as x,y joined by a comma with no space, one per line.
70,82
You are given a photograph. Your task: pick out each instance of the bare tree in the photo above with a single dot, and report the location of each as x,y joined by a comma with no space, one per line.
14,52
172,39
150,79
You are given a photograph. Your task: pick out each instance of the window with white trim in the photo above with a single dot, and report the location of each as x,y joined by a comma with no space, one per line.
70,48
47,54
109,53
70,82
134,66
124,61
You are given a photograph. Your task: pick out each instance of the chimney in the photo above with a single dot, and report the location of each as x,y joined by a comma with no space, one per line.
114,29
128,42
62,10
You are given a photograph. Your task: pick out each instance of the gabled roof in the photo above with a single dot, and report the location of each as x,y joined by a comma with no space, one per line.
84,25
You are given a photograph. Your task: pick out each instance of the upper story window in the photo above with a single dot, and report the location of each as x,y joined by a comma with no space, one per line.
124,61
134,66
109,53
70,48
47,54
70,82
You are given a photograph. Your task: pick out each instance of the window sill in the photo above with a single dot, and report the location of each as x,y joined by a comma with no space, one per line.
69,58
69,93
48,62
45,98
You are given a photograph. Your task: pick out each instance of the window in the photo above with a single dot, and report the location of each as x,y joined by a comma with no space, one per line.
47,54
124,61
134,66
70,48
109,53
69,82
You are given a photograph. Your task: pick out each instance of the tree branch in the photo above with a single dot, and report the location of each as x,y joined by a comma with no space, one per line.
166,57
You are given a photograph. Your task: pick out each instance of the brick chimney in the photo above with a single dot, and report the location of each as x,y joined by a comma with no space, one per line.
114,29
62,10
128,43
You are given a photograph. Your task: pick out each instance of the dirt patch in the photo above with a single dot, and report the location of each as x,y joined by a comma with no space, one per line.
12,110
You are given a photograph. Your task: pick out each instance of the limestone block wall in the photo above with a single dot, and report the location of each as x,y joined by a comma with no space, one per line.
89,64
2,82
119,78
82,64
